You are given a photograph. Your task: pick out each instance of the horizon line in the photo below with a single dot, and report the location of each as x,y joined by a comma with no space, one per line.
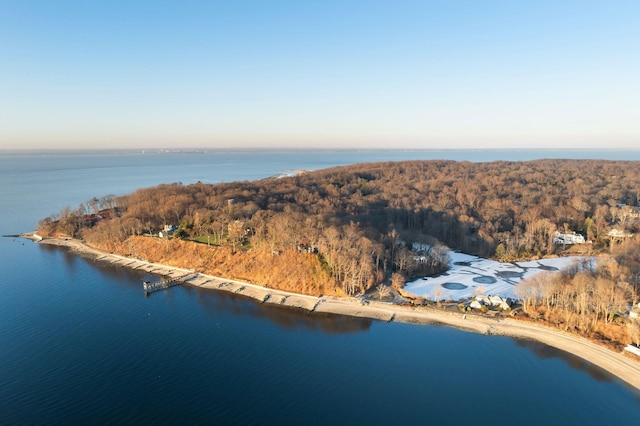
202,150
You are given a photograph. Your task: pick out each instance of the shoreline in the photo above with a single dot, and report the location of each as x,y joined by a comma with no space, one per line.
624,368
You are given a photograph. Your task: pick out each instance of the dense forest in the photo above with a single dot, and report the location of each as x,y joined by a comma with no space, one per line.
346,229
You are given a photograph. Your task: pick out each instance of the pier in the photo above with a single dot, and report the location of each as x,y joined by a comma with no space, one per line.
149,287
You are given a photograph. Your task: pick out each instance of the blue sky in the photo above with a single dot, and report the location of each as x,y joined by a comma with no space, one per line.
374,74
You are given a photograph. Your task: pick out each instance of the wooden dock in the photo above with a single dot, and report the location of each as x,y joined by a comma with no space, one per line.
149,287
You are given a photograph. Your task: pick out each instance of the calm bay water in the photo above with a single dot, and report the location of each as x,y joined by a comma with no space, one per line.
80,343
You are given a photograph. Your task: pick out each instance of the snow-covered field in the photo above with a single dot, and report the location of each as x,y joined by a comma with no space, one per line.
470,275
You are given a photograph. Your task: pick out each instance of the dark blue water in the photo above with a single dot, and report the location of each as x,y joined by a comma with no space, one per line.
80,343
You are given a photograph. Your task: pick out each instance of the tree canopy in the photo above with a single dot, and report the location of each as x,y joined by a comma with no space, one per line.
359,224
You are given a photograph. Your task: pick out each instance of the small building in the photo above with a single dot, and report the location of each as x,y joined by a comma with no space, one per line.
503,303
495,300
567,238
483,299
167,231
421,247
475,304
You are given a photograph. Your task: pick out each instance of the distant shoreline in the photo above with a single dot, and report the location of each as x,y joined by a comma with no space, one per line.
205,150
617,364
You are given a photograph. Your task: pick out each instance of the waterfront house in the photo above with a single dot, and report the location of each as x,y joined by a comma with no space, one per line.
567,238
475,304
167,231
502,303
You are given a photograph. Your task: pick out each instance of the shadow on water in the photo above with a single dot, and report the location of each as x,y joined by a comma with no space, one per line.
543,351
69,258
122,275
284,316
216,301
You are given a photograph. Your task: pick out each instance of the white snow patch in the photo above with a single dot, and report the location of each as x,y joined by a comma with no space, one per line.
491,277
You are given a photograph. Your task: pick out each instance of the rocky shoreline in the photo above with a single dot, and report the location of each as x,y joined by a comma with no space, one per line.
621,366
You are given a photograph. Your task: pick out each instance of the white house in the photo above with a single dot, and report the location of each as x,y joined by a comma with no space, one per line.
167,231
504,303
475,305
567,238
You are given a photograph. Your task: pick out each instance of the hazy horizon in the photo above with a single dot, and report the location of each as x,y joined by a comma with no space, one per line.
549,152
336,74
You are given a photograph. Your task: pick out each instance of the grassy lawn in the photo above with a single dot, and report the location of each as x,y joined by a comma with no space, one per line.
203,239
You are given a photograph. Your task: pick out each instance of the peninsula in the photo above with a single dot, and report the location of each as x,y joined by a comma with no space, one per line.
328,236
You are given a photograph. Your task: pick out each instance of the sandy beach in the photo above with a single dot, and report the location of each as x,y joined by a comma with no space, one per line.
623,367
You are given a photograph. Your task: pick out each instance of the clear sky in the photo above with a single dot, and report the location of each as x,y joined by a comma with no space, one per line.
305,73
